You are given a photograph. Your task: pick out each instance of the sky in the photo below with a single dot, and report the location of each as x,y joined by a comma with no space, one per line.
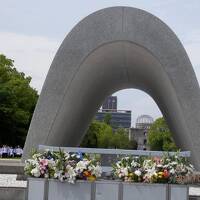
32,31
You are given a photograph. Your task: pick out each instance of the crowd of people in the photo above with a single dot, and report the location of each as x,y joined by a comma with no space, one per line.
10,152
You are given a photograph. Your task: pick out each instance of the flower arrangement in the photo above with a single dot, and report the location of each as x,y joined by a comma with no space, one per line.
70,167
165,169
63,166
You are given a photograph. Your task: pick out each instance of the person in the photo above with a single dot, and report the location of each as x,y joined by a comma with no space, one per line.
4,151
0,152
18,151
11,152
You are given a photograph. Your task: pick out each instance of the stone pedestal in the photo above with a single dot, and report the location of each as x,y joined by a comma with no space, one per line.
43,189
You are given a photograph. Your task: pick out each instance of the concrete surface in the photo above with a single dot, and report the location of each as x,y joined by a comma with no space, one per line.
113,49
12,193
11,166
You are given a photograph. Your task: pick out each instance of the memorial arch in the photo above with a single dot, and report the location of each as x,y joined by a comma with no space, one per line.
113,49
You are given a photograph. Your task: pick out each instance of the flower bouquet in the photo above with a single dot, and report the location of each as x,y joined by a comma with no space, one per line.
63,166
165,169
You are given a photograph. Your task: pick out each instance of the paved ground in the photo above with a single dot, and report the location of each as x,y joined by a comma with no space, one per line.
8,180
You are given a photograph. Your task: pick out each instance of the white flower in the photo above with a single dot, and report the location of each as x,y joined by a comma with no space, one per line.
57,174
124,171
134,164
35,172
138,172
46,176
71,171
97,171
71,174
118,164
150,172
51,163
120,175
173,163
81,165
37,155
172,171
67,155
147,164
159,165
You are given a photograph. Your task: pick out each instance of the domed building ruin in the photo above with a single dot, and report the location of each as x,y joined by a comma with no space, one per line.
140,132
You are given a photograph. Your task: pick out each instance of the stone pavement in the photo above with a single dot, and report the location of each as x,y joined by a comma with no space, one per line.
9,180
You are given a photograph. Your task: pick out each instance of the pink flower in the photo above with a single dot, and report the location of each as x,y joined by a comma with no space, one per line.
157,160
44,162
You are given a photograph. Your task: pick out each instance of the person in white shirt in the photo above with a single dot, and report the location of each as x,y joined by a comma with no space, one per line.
11,152
0,152
4,151
18,151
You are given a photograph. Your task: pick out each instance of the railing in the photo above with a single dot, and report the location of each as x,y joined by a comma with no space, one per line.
114,151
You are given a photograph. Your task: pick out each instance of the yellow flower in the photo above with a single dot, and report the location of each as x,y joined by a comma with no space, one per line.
91,178
156,175
160,173
130,174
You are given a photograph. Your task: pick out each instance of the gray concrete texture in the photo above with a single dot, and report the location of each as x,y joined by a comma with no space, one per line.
12,193
12,166
113,49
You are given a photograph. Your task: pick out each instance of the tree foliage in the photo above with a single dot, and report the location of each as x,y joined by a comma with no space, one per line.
102,135
160,137
107,118
17,103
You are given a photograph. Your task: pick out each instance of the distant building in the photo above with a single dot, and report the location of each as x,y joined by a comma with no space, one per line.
140,132
144,122
119,118
110,103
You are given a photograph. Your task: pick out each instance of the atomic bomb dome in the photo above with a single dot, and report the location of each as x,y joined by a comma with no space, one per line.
144,122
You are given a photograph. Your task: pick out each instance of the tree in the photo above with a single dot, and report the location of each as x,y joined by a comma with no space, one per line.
105,136
120,140
17,103
107,118
101,135
91,136
97,135
160,137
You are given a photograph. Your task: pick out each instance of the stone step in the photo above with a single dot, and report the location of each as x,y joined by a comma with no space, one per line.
12,166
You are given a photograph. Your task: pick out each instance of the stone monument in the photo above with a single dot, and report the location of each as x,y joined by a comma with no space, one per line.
113,49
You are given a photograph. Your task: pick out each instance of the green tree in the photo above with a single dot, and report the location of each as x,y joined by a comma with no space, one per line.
17,103
101,135
91,136
105,136
120,140
160,137
107,118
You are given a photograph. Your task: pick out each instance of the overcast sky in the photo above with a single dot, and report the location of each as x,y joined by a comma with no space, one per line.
31,32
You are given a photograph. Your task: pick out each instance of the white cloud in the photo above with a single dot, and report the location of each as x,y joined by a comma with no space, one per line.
32,54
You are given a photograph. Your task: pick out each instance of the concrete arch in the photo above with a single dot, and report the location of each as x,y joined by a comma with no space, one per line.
112,49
